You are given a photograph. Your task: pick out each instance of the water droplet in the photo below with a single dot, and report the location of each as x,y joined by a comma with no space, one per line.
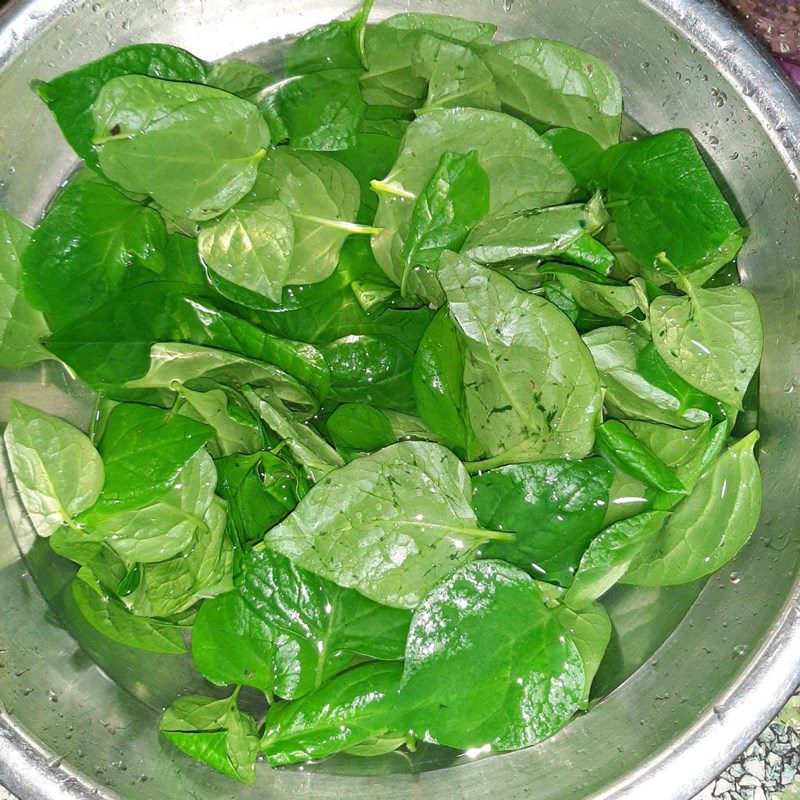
736,577
740,650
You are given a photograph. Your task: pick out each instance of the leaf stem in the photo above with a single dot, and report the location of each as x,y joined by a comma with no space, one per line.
380,187
338,224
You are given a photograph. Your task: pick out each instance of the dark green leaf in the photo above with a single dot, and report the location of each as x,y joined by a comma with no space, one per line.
556,508
92,244
616,443
451,693
454,200
71,96
438,381
580,154
352,709
664,200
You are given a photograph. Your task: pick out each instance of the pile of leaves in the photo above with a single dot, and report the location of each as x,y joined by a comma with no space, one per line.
402,361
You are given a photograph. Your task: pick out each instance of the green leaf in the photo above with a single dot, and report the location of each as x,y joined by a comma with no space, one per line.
532,390
174,365
455,199
709,527
261,489
92,244
529,688
21,326
389,47
109,616
214,732
580,154
438,381
371,369
457,77
56,468
323,198
112,345
357,426
602,296
165,528
193,149
664,200
590,632
321,111
492,136
236,431
352,709
537,232
555,84
251,246
620,446
628,393
144,450
307,446
610,555
391,524
712,338
202,570
369,158
242,78
556,508
338,44
71,96
338,622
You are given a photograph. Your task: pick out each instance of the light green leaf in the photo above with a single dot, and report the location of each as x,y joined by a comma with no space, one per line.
453,693
628,394
214,732
532,390
390,524
709,527
590,632
21,326
251,246
203,570
506,148
242,78
553,83
533,233
712,338
608,557
109,616
389,47
457,76
193,149
56,468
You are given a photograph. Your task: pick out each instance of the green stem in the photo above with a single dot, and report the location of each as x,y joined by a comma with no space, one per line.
98,140
341,225
379,187
474,467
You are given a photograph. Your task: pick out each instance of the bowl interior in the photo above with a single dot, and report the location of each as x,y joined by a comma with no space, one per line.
92,705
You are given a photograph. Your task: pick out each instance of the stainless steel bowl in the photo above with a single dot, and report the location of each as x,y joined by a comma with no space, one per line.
77,713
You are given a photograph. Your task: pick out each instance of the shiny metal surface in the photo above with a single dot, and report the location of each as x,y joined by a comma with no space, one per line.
77,714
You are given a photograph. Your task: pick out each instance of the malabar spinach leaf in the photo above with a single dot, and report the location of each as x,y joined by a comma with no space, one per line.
708,528
488,607
353,709
553,83
531,386
391,524
71,96
215,732
92,244
56,468
21,326
505,147
556,508
193,149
